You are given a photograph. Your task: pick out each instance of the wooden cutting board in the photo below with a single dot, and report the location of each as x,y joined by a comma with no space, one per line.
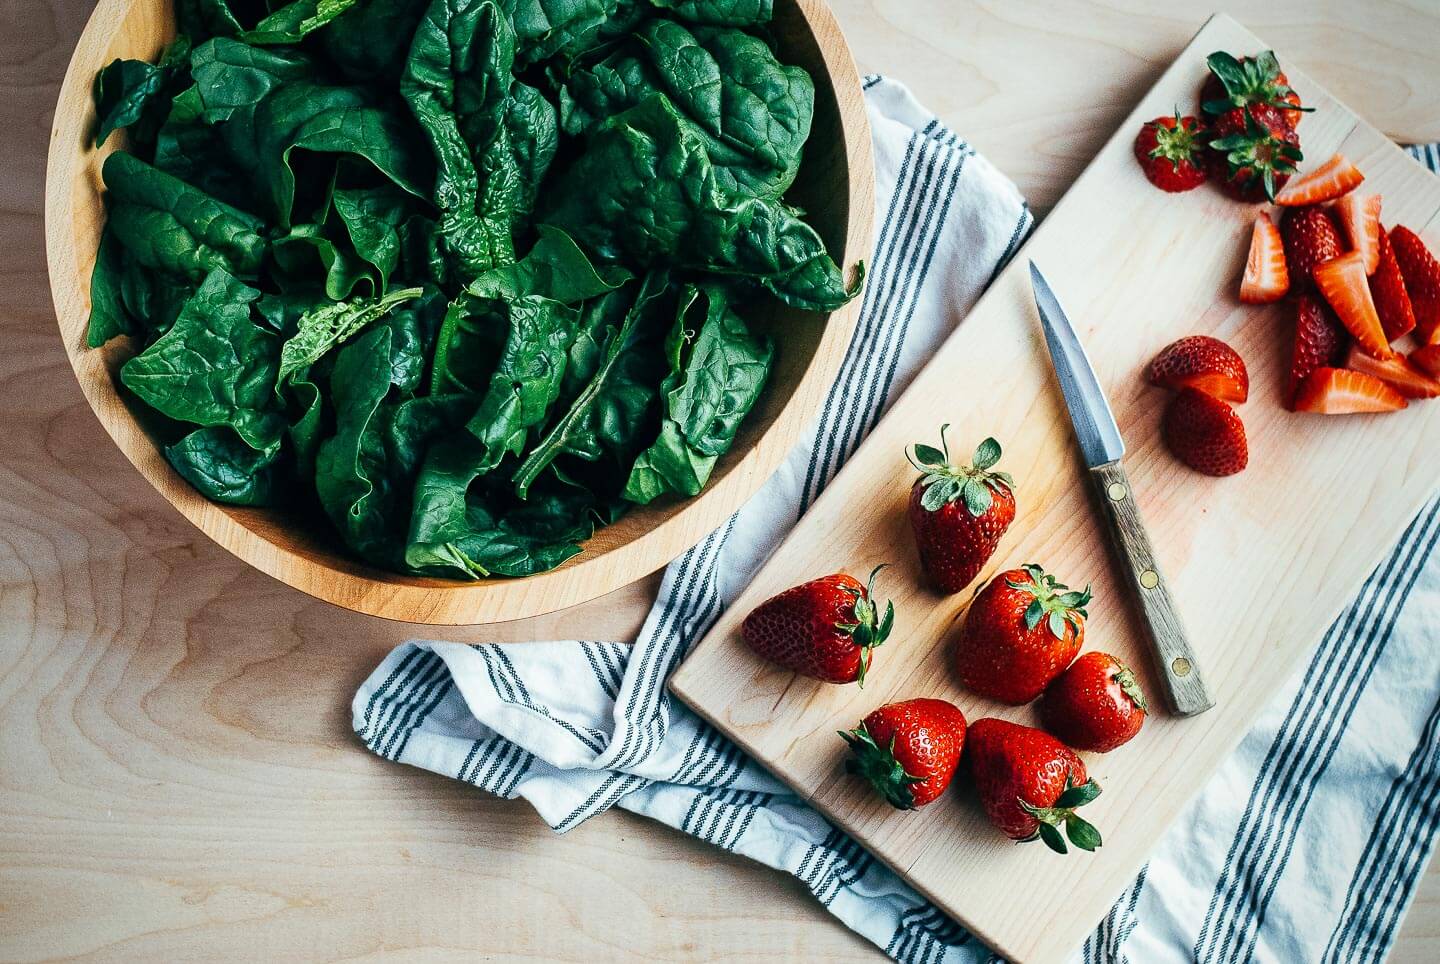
1260,563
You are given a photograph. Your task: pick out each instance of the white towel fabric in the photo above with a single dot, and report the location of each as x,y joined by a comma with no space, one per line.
1306,845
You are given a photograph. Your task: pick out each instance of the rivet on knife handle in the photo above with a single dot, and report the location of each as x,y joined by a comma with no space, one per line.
1175,661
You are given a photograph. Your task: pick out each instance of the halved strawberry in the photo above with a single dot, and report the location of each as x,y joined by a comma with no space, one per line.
1343,283
1422,281
1427,359
1387,287
1205,434
1319,342
1339,391
1266,277
1203,363
1395,371
1335,177
1359,215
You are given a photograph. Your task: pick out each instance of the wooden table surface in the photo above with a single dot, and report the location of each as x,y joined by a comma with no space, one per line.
178,777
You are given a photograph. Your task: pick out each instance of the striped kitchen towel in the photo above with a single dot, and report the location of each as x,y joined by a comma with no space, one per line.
1306,845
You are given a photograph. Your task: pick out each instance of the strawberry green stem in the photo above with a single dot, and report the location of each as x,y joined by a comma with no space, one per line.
1050,819
877,765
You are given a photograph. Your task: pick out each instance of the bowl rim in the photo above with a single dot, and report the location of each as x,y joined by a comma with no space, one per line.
71,177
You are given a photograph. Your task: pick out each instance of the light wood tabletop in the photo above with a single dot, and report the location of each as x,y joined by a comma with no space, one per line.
178,777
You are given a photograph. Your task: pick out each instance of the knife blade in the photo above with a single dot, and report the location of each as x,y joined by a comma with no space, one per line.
1102,447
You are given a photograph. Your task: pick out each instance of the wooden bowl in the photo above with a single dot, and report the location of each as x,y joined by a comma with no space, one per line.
836,187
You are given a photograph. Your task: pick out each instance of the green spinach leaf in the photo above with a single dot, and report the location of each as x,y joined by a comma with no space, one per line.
223,467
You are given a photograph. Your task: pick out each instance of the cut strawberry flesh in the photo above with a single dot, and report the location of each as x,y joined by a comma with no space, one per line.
1359,215
1427,359
1339,391
1396,371
1387,287
1330,180
1266,277
1422,281
1343,283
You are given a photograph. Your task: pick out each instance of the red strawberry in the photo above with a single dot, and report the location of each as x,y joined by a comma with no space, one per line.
1311,239
1342,282
1031,784
1238,83
1330,180
1339,391
1319,342
1387,288
958,513
1203,363
1267,277
823,628
1170,151
1397,371
1422,281
1096,704
1205,434
1020,632
908,751
1427,359
1253,152
1359,215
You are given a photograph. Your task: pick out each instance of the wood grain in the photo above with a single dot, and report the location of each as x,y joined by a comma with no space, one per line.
1135,268
1174,663
158,695
837,192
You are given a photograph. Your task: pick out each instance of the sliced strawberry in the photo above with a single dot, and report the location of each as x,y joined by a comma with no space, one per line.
1203,363
1339,391
1266,277
1205,434
1422,281
1311,238
1335,177
1319,342
1343,283
1387,287
1427,358
1395,371
1359,215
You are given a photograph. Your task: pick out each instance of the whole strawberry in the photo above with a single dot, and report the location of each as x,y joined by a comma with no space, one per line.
1096,704
1030,784
1020,632
908,750
958,513
1253,152
1238,83
824,628
1171,153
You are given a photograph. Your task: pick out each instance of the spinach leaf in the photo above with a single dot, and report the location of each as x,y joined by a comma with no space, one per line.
331,326
372,218
214,366
172,227
108,317
133,92
295,20
527,377
730,13
370,43
645,190
609,412
223,467
307,250
203,19
752,114
716,375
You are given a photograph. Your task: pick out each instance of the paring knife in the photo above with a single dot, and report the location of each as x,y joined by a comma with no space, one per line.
1102,447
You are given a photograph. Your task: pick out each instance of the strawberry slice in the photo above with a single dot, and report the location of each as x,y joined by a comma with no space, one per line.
1319,342
1205,434
1339,391
1427,359
1203,363
1422,281
1387,287
1359,215
1396,371
1266,277
1335,177
1343,283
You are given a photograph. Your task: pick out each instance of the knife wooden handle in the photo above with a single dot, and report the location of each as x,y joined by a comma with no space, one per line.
1175,661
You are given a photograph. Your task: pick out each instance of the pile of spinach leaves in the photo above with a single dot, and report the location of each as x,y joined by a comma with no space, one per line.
467,277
